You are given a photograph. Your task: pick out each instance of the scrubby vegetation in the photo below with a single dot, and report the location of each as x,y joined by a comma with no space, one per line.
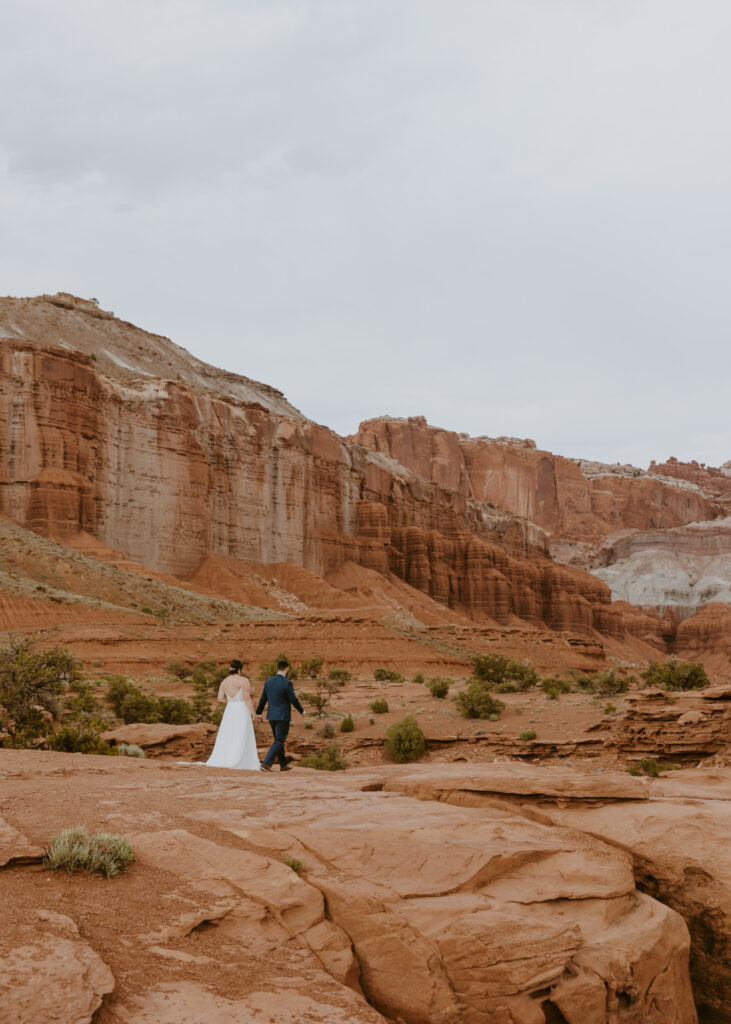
649,766
129,750
347,724
607,683
529,734
132,704
74,849
503,674
478,702
78,739
339,676
387,675
419,678
676,675
311,668
327,731
32,681
404,741
379,706
554,686
328,760
293,862
321,697
439,686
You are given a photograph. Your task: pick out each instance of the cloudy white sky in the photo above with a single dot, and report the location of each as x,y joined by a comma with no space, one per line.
511,216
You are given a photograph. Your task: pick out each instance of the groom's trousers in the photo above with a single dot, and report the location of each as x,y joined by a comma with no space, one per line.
281,731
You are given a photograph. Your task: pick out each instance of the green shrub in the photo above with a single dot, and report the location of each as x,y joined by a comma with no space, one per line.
609,708
379,707
529,734
340,676
293,862
175,711
554,686
439,686
404,741
81,703
31,683
607,683
387,675
139,707
74,849
419,678
118,688
497,670
328,760
649,766
201,704
207,666
130,750
676,675
146,610
347,724
311,668
477,701
177,668
78,739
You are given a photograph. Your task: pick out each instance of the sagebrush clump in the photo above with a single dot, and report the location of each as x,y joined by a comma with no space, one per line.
439,686
404,741
478,702
379,706
503,674
347,724
676,675
328,760
387,675
75,850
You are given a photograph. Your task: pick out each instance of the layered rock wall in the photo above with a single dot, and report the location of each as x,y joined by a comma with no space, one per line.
167,474
571,499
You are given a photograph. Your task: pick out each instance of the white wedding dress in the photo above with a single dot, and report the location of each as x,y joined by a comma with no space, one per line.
235,743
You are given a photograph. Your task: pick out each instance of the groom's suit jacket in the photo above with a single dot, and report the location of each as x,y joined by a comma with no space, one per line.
279,693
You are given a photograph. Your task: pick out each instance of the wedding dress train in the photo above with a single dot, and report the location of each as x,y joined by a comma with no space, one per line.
235,743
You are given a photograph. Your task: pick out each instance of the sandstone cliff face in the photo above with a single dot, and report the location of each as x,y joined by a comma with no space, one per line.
167,474
572,499
169,471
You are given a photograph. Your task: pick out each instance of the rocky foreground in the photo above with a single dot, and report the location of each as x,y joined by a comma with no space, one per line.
450,894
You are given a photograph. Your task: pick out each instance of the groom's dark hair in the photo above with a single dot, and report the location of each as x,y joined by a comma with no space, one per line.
281,665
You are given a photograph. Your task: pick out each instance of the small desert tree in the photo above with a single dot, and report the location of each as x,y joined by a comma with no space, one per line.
321,698
32,681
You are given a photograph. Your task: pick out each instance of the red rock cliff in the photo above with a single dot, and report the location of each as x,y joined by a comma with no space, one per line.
573,500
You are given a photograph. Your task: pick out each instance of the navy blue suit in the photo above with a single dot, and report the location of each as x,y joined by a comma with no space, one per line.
279,694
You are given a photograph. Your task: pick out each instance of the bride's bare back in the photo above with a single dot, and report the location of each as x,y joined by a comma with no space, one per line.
234,685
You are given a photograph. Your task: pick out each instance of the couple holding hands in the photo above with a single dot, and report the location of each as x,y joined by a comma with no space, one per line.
235,743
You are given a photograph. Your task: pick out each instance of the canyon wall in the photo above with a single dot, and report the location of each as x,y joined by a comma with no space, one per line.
167,475
573,500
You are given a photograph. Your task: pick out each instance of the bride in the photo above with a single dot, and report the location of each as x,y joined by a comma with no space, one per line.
235,743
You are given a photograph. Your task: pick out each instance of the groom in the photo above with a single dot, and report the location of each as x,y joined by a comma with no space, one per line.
279,693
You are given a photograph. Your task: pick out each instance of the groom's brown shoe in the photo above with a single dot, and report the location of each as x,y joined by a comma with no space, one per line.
265,767
285,768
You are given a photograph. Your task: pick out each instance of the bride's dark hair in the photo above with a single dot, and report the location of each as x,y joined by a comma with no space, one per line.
235,666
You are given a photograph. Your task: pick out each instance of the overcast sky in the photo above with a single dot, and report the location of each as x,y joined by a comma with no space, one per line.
511,216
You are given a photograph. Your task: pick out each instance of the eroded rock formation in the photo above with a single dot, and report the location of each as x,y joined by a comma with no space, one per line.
416,895
168,474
